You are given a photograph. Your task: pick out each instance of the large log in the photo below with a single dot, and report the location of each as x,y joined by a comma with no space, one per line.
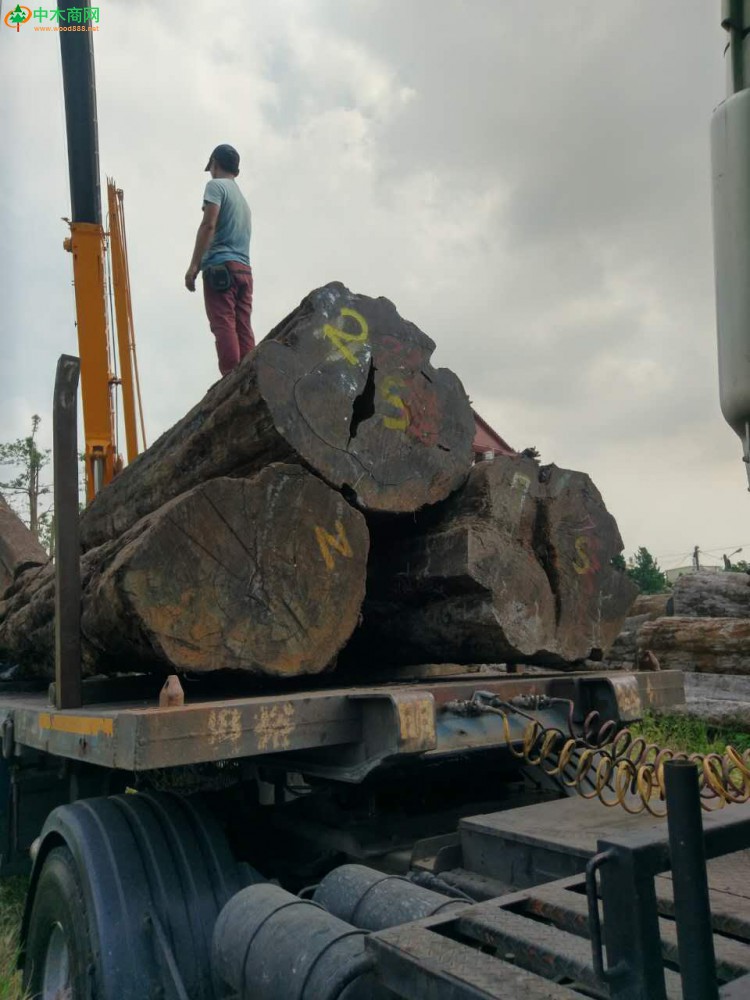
645,608
623,650
576,539
654,605
706,645
713,595
344,385
19,548
515,566
264,575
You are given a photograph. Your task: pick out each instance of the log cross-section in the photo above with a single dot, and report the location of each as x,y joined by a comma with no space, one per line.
514,567
263,575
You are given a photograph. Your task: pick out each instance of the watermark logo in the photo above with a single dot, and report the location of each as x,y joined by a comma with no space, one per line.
18,16
53,19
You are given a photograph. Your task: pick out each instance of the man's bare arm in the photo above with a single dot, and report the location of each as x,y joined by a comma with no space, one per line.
203,240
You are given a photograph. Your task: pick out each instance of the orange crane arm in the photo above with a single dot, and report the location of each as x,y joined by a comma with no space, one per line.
87,244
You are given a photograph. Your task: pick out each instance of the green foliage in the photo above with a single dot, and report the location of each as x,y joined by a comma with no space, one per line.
680,732
618,561
741,566
12,895
25,488
646,573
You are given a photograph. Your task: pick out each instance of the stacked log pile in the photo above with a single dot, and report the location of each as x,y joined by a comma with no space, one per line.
623,653
710,630
240,539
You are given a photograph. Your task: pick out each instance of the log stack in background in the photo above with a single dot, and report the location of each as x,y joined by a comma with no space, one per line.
623,653
19,548
710,630
240,539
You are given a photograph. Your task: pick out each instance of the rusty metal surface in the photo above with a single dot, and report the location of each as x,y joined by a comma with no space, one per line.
661,689
416,962
67,544
535,946
739,989
349,730
568,909
729,894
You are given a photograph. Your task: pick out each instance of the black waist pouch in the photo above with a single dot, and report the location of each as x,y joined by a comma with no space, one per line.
219,278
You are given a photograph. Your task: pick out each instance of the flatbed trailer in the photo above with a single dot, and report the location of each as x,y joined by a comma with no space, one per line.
285,786
146,820
342,732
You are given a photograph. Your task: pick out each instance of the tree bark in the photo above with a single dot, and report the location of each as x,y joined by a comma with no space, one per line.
19,548
654,605
624,649
343,385
497,573
264,575
713,595
706,645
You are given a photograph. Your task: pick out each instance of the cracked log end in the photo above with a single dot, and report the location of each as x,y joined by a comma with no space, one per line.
350,386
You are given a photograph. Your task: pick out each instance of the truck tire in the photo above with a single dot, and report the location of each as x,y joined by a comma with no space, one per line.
58,951
127,890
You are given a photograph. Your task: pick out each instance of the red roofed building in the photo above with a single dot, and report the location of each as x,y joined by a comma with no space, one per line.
486,439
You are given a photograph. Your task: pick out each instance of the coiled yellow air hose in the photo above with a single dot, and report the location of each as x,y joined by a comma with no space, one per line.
615,766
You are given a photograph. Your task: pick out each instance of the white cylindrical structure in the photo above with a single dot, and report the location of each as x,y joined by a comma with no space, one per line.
730,156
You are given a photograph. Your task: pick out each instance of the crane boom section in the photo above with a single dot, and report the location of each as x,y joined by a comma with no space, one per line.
123,315
87,246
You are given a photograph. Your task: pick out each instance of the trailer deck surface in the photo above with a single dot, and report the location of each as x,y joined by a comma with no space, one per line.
542,924
366,724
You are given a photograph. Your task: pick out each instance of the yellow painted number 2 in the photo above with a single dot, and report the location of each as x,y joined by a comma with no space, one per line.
340,338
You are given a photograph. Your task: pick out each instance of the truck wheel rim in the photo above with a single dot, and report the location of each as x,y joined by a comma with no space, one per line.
56,981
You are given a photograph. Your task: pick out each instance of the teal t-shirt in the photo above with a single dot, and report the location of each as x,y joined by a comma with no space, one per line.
232,237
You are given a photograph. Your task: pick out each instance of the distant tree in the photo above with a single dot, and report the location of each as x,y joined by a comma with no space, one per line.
26,488
646,573
741,566
618,561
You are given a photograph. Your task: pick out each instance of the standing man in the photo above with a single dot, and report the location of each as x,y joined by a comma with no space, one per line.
222,252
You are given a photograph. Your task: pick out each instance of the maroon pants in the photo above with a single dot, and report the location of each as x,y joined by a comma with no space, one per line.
229,316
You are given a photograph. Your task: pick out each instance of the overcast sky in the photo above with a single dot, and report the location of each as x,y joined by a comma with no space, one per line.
528,181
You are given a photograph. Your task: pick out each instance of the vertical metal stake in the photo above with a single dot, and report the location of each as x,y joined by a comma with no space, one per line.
631,926
67,541
692,910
